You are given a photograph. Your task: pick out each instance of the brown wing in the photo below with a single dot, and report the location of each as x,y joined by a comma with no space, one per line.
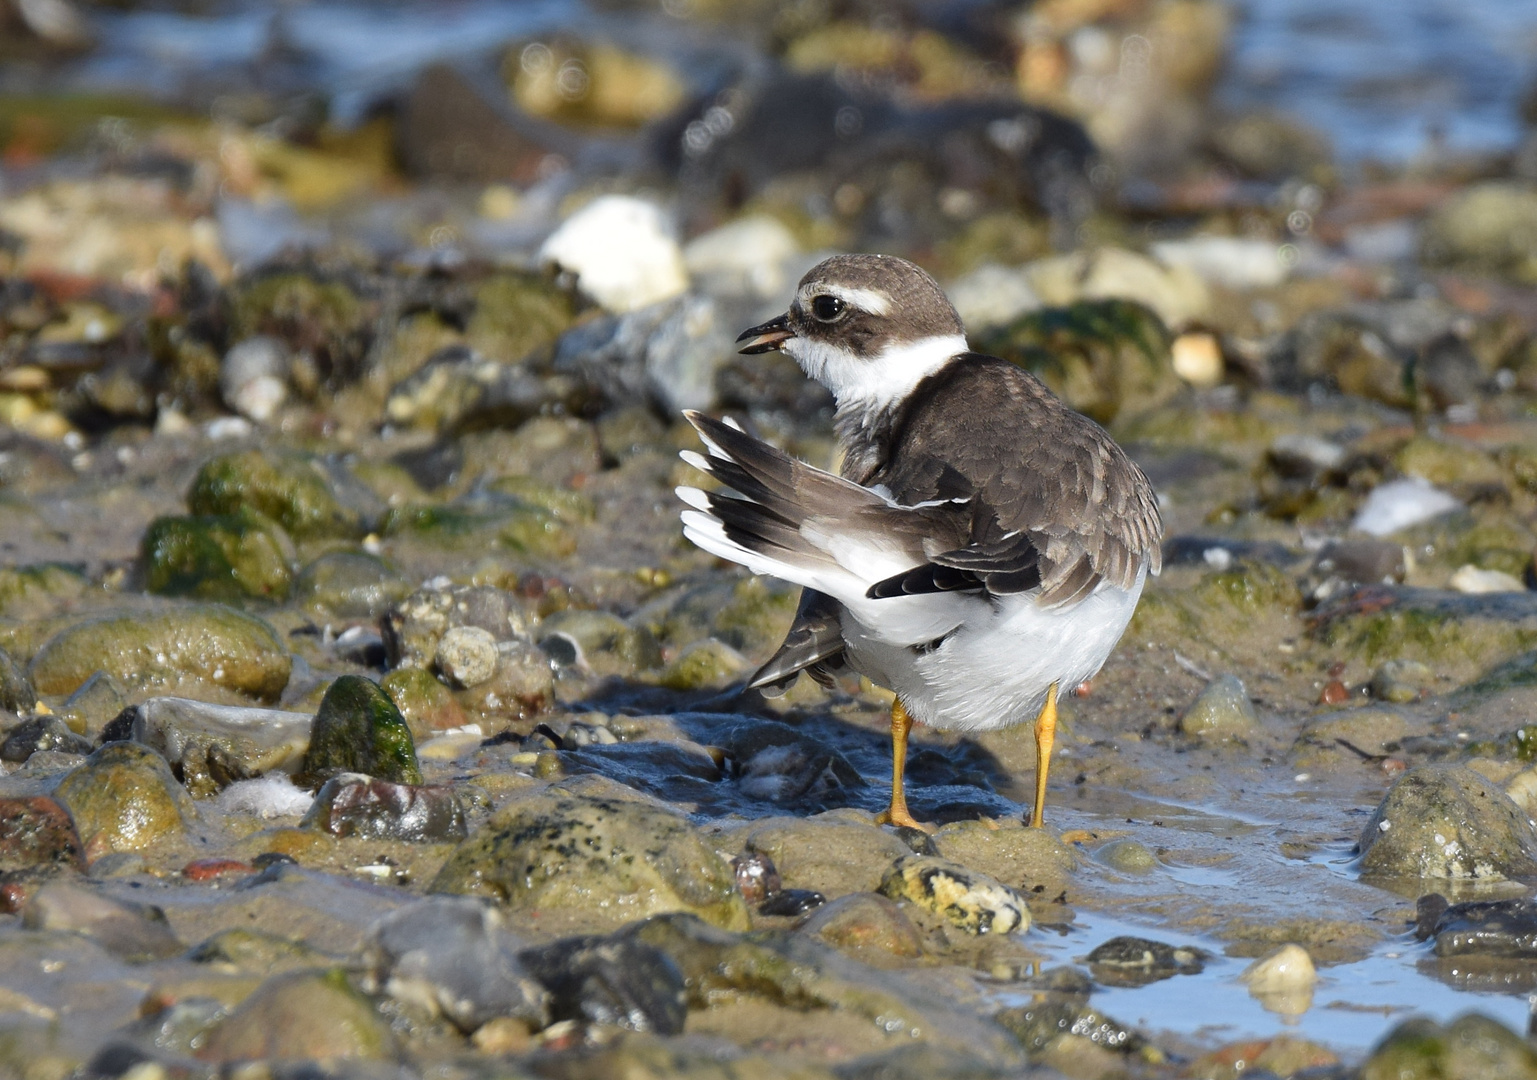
1051,499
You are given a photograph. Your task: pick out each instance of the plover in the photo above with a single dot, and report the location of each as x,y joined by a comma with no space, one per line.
984,546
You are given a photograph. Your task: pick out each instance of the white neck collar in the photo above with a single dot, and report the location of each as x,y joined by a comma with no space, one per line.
874,385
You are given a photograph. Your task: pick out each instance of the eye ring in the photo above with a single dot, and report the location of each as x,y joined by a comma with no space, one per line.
827,309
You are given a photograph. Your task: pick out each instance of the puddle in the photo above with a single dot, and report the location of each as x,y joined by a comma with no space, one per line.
1354,1004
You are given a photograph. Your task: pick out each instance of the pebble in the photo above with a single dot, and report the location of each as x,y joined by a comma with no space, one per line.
1471,579
1401,504
17,694
1197,358
359,730
41,733
1127,855
1230,261
216,745
1283,980
454,956
744,258
351,804
1221,711
124,798
466,656
253,377
992,295
303,1015
1133,961
867,926
621,251
37,831
134,932
1401,681
1470,1046
966,899
617,982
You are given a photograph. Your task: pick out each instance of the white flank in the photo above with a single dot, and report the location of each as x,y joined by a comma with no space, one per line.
870,385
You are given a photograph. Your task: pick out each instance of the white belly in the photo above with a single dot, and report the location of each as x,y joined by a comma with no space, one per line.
995,668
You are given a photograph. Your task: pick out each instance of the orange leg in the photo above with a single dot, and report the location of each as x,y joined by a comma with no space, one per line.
1045,735
897,814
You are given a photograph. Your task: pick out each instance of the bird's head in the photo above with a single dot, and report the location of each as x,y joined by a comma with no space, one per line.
867,327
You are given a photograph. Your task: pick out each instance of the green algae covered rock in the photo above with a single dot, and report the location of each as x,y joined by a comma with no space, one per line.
1447,821
359,730
594,863
518,312
124,798
323,316
290,490
217,557
1471,1047
191,642
39,590
309,1015
707,664
1105,358
427,705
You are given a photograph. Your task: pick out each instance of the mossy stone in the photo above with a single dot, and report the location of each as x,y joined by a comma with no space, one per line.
311,1015
359,730
124,798
1471,1047
39,590
605,643
290,490
596,862
350,585
427,705
94,705
192,642
16,692
704,665
217,557
326,318
516,313
1447,821
511,525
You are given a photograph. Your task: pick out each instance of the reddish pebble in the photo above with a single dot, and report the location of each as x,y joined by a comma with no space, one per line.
1334,694
208,869
1393,766
1083,689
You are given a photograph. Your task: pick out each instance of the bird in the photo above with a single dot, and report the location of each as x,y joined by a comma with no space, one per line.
981,548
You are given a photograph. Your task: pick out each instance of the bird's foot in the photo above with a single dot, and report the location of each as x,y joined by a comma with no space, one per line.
898,816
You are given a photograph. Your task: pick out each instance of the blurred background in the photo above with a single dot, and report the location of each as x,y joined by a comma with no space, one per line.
1211,148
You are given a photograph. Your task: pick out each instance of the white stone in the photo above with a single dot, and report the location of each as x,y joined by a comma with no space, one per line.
1283,981
1230,261
747,257
992,295
621,251
1470,579
1197,358
1398,504
467,655
1176,293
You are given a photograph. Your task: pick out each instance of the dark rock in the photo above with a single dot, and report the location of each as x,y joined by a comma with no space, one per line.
1506,929
1365,562
41,733
37,832
124,798
619,981
213,746
1036,1025
1469,1048
135,932
454,956
359,730
792,903
449,128
98,701
197,642
1130,961
596,861
964,898
16,692
1447,821
776,763
355,805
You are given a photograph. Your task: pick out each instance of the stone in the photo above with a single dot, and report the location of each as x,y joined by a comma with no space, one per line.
1504,929
1127,855
296,492
16,691
1401,681
1175,292
217,557
617,982
1132,961
831,856
41,733
413,628
255,952
253,377
1283,980
352,804
427,705
95,704
312,1015
1041,1023
1471,1047
124,798
705,665
196,642
1490,226
459,388
593,862
211,747
866,926
457,957
598,641
1232,262
350,585
1284,1055
1365,562
37,831
1471,579
1447,821
466,656
621,251
1011,852
1221,711
991,295
359,730
1197,358
966,899
743,259
134,932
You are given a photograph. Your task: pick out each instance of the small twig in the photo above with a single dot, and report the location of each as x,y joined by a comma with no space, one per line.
1193,668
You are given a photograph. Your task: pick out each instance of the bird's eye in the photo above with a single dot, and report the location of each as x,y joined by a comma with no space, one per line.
827,308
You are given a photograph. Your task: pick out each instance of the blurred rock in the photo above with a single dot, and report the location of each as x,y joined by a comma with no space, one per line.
1283,980
350,585
459,386
1270,146
1471,579
1400,504
992,296
124,798
1229,261
414,627
41,733
455,956
1133,961
1446,821
427,705
617,982
135,932
466,656
965,899
1471,1046
1221,711
213,746
591,84
1175,292
745,259
621,251
301,494
217,557
352,804
1491,226
253,378
1197,358
867,926
449,128
309,1015
38,832
17,694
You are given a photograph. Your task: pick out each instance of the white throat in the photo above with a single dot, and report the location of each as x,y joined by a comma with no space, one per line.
873,385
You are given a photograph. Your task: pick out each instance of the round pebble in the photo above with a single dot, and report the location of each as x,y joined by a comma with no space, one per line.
467,656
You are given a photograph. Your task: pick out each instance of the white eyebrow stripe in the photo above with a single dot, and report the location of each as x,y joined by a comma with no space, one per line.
867,300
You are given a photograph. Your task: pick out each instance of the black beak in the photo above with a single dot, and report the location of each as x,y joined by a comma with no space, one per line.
766,338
